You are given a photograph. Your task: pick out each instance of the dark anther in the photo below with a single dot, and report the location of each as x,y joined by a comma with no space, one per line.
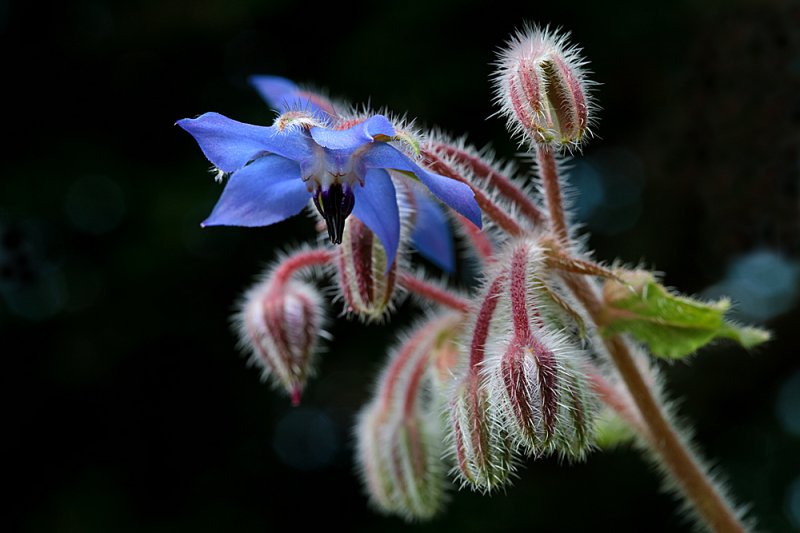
335,204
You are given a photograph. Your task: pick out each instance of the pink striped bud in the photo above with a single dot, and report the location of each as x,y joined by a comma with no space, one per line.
399,433
542,396
535,383
483,450
281,324
365,284
542,88
480,446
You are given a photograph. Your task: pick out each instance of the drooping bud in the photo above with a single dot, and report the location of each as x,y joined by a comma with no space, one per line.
280,323
543,397
399,433
535,383
367,285
542,88
479,442
483,450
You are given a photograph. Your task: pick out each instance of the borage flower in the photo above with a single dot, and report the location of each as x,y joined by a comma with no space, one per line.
275,170
431,233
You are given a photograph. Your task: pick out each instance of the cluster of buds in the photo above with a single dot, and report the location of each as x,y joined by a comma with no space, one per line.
510,371
523,387
471,391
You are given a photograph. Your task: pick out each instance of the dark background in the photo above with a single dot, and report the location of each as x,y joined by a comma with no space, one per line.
126,404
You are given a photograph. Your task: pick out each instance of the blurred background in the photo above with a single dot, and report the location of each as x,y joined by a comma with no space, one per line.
126,404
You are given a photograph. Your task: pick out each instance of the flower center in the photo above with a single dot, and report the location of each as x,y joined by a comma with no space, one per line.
334,204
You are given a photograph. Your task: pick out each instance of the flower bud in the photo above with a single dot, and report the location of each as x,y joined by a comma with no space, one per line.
483,451
399,433
542,396
533,383
366,285
281,325
542,88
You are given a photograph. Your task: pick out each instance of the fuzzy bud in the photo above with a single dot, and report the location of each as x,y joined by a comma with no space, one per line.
367,286
280,323
480,445
483,451
535,384
542,88
542,395
399,433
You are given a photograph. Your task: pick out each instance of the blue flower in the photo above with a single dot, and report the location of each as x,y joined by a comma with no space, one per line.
431,234
275,171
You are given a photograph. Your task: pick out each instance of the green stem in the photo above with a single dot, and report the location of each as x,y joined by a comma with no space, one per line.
678,459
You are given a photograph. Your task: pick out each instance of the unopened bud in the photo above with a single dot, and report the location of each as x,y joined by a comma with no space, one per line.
399,433
483,450
543,397
542,87
367,285
281,325
533,383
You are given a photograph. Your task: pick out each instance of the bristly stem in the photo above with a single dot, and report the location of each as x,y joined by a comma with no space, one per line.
609,396
552,190
433,293
298,261
480,242
665,441
504,184
490,208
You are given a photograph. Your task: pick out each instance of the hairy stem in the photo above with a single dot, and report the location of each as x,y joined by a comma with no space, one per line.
664,439
619,404
666,442
433,293
504,184
552,189
480,242
491,209
298,261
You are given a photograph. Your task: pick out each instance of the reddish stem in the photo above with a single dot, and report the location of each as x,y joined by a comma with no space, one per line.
483,320
552,191
492,210
612,398
503,183
480,242
298,261
433,293
409,348
675,455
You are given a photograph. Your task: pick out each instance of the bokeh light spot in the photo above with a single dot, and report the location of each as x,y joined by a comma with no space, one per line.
787,406
762,284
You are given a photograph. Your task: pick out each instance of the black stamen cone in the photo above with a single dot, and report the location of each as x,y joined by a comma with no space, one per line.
335,204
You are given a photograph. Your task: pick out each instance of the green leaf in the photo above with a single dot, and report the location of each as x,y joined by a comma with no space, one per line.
612,431
671,325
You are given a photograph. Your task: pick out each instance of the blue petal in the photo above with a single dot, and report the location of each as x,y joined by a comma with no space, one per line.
230,144
351,138
264,192
376,206
283,95
431,236
453,193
